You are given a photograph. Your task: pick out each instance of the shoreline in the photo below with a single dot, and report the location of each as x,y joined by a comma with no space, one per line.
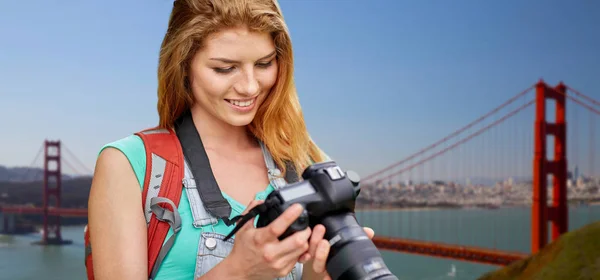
405,209
457,207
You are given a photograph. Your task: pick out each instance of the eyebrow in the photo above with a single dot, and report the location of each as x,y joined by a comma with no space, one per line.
226,60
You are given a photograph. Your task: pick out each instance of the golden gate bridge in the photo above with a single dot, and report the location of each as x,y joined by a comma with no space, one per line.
520,144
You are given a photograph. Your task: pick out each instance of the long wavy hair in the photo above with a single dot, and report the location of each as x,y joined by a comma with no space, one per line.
279,122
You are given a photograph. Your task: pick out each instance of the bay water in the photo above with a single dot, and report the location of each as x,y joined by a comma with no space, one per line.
505,229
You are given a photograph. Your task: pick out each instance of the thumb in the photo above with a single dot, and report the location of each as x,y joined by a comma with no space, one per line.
370,232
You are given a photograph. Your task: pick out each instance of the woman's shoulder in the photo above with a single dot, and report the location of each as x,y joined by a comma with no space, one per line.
134,150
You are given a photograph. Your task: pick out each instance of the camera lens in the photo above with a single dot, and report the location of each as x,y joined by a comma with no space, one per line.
352,255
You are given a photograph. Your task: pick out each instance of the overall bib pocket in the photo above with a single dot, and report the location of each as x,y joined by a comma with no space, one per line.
211,251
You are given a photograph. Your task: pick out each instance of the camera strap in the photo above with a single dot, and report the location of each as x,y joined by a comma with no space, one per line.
243,219
195,154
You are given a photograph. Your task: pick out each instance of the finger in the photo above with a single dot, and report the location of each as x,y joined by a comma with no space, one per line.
321,256
288,251
279,225
304,257
315,238
287,261
295,244
370,232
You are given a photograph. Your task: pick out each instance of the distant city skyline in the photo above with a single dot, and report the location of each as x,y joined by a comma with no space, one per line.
377,82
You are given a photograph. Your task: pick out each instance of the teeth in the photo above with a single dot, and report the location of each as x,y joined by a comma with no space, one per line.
241,103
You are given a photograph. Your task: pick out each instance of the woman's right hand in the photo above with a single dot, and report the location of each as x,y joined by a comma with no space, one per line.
257,252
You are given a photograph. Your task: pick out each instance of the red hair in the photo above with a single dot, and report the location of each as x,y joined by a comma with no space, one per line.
279,122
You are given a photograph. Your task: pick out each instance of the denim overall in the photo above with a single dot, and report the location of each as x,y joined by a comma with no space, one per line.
211,247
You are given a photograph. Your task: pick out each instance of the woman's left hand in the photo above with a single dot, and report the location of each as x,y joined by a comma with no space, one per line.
314,260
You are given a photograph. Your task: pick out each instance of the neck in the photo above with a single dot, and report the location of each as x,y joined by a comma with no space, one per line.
216,133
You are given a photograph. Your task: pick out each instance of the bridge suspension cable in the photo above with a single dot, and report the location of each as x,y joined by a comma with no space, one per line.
78,162
451,135
586,97
460,142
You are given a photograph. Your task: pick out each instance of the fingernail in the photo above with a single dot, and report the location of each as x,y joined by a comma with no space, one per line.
305,258
298,207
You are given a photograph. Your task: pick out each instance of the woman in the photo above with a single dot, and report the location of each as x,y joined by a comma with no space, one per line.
229,65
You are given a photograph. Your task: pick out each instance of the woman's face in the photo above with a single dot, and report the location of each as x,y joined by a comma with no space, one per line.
232,74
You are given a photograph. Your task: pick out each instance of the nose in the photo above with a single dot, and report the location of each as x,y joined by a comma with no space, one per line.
247,85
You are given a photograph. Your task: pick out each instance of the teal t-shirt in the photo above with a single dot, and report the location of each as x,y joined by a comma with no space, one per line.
180,262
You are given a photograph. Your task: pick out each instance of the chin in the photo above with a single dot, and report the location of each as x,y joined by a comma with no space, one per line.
239,120
237,117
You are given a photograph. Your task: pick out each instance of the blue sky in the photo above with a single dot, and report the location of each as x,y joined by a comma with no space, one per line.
378,80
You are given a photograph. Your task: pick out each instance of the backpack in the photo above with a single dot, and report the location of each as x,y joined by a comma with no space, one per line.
164,172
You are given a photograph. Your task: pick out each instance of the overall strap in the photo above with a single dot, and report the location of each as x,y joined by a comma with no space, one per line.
161,191
275,173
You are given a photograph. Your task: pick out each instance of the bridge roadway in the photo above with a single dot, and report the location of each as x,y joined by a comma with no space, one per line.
449,251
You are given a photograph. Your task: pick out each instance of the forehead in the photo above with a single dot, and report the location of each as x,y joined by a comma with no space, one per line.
238,44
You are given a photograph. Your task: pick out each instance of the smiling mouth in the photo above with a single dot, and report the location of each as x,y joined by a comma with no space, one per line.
242,103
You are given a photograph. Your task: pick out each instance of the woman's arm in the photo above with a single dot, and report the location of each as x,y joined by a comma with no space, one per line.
116,220
117,226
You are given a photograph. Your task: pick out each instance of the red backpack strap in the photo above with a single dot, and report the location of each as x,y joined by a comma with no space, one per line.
163,184
89,266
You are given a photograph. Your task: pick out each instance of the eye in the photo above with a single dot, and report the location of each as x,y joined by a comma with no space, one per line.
264,64
223,70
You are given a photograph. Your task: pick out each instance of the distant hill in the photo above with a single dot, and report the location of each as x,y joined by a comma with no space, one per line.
576,255
24,174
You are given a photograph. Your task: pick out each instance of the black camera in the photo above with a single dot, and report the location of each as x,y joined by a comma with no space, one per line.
328,196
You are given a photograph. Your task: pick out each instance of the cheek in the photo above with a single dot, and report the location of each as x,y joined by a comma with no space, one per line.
209,85
268,78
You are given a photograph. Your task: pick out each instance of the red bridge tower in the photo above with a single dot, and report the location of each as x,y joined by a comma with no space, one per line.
557,213
52,193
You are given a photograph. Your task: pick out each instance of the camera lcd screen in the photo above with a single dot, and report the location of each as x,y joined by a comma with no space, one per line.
296,191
